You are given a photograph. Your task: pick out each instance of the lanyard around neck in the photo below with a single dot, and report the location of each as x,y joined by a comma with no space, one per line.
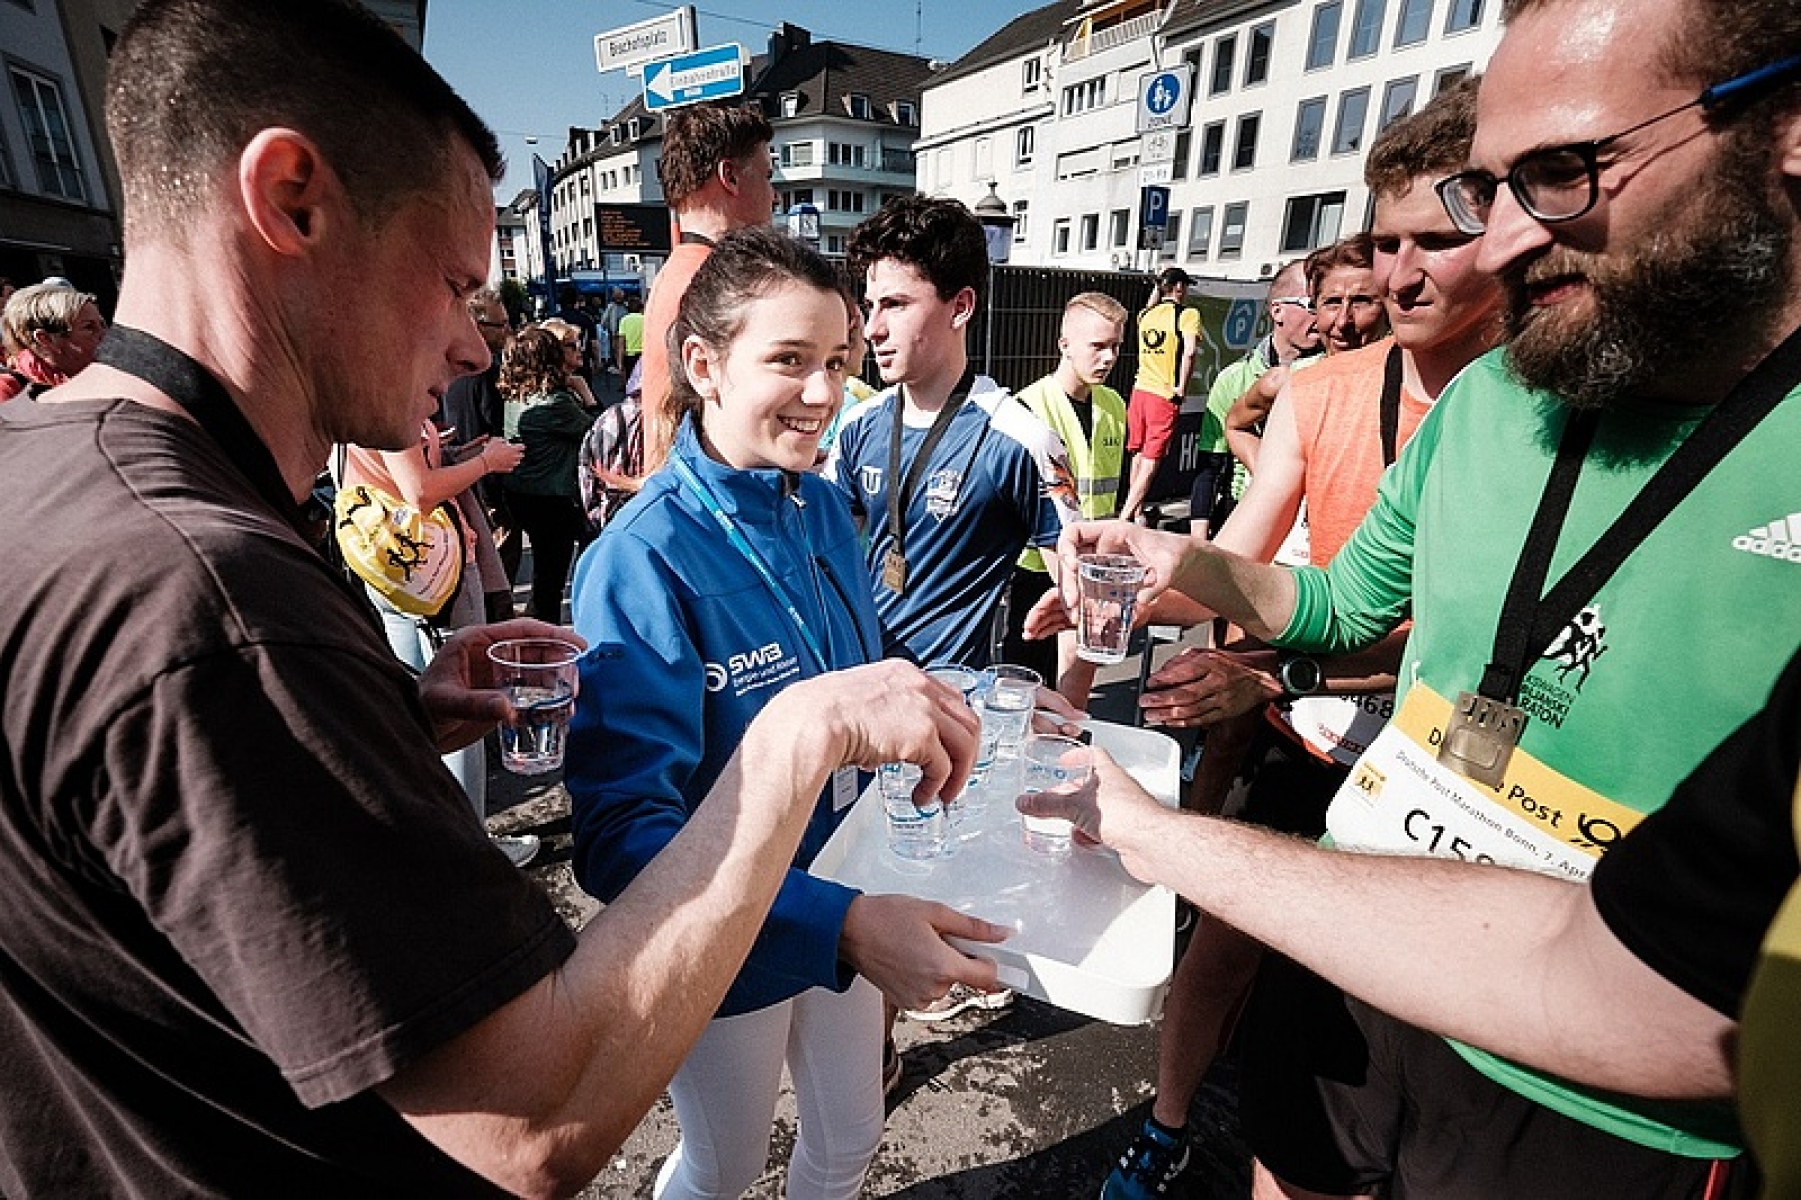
900,492
1391,405
199,391
1532,617
740,543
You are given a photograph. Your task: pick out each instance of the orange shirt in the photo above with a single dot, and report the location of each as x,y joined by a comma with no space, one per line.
659,314
1337,407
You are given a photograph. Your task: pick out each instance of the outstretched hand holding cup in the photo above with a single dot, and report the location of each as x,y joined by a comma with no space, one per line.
1111,810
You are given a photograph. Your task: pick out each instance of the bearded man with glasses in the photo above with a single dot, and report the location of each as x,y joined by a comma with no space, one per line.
1597,532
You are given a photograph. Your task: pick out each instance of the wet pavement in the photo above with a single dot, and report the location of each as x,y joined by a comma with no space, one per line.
1028,1101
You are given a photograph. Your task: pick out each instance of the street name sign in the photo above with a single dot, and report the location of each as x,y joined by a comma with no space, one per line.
710,74
660,37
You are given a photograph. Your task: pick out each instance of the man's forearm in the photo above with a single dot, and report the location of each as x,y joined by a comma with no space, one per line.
1258,597
1514,962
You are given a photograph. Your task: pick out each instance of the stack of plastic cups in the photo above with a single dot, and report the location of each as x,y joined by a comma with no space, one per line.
969,802
1005,706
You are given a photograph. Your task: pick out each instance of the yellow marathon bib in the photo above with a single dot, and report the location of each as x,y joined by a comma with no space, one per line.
1400,800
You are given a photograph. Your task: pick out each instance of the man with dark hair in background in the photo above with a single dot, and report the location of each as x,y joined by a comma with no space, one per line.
256,942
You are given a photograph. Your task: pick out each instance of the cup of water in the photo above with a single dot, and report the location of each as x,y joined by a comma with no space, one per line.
1006,707
1052,762
538,676
1107,595
913,832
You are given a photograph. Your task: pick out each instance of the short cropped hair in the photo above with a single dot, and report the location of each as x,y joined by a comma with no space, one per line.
1358,250
1098,302
50,307
939,238
191,83
1434,141
700,137
1275,281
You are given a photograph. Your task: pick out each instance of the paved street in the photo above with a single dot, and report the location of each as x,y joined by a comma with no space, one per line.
1026,1102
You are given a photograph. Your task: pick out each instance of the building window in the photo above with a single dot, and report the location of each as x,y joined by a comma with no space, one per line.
1119,225
1312,221
1414,23
1078,163
1397,101
1084,96
1353,107
1031,74
1025,141
1091,231
1225,51
47,135
834,243
1464,14
1322,46
1060,236
1200,232
1231,230
1125,154
1184,147
846,200
1172,237
1450,77
1309,124
796,196
944,167
797,154
791,104
1213,144
1021,211
906,113
857,105
844,154
1366,28
1256,59
1244,150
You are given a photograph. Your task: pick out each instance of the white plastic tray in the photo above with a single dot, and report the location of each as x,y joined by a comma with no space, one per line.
1087,937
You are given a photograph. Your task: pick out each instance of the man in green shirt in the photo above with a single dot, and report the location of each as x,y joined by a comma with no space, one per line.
1644,287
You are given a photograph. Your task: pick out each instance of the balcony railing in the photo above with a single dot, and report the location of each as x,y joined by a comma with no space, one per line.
1081,45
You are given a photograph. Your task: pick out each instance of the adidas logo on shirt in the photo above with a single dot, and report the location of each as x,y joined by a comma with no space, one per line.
1780,539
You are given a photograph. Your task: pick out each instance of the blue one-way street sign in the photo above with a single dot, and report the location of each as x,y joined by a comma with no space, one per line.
709,74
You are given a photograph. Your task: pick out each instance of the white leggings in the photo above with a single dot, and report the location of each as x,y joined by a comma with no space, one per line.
725,1097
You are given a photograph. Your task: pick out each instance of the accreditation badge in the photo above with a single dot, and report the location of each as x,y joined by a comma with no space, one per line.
1400,799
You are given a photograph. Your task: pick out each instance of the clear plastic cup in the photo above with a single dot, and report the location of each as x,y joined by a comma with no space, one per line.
913,832
1052,762
1107,596
538,676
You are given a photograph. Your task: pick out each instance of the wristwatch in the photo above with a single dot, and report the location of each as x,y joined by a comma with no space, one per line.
1300,675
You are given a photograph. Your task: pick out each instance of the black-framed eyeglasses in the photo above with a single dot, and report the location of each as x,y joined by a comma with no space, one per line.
1562,183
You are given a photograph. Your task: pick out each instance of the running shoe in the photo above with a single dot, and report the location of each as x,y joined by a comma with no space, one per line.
960,999
1150,1164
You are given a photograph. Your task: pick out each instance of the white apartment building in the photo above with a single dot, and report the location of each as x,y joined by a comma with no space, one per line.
845,120
1285,96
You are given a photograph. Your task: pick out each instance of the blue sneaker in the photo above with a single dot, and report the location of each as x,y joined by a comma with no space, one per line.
1150,1164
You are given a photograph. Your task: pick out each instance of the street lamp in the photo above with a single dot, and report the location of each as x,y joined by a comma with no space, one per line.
803,224
997,225
997,230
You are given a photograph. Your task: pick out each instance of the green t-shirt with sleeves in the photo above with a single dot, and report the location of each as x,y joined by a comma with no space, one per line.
1672,654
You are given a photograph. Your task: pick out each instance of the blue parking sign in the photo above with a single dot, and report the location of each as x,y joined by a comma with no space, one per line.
1240,328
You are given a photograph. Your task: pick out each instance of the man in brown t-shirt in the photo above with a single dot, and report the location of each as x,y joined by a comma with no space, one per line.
256,944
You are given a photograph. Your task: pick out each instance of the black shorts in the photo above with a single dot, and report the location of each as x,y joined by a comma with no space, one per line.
1338,1097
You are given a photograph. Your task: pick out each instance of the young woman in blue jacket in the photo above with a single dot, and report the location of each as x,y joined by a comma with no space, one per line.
732,574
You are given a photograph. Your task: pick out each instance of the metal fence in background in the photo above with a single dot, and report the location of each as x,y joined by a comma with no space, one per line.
1013,338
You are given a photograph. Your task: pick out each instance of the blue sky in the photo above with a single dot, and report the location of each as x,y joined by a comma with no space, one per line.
527,66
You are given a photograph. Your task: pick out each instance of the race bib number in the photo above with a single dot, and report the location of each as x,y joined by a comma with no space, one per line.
1399,799
1341,728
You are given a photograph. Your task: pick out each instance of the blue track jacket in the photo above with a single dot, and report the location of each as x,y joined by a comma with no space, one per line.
687,644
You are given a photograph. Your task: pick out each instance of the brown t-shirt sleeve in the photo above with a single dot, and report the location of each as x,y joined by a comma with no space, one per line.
279,813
